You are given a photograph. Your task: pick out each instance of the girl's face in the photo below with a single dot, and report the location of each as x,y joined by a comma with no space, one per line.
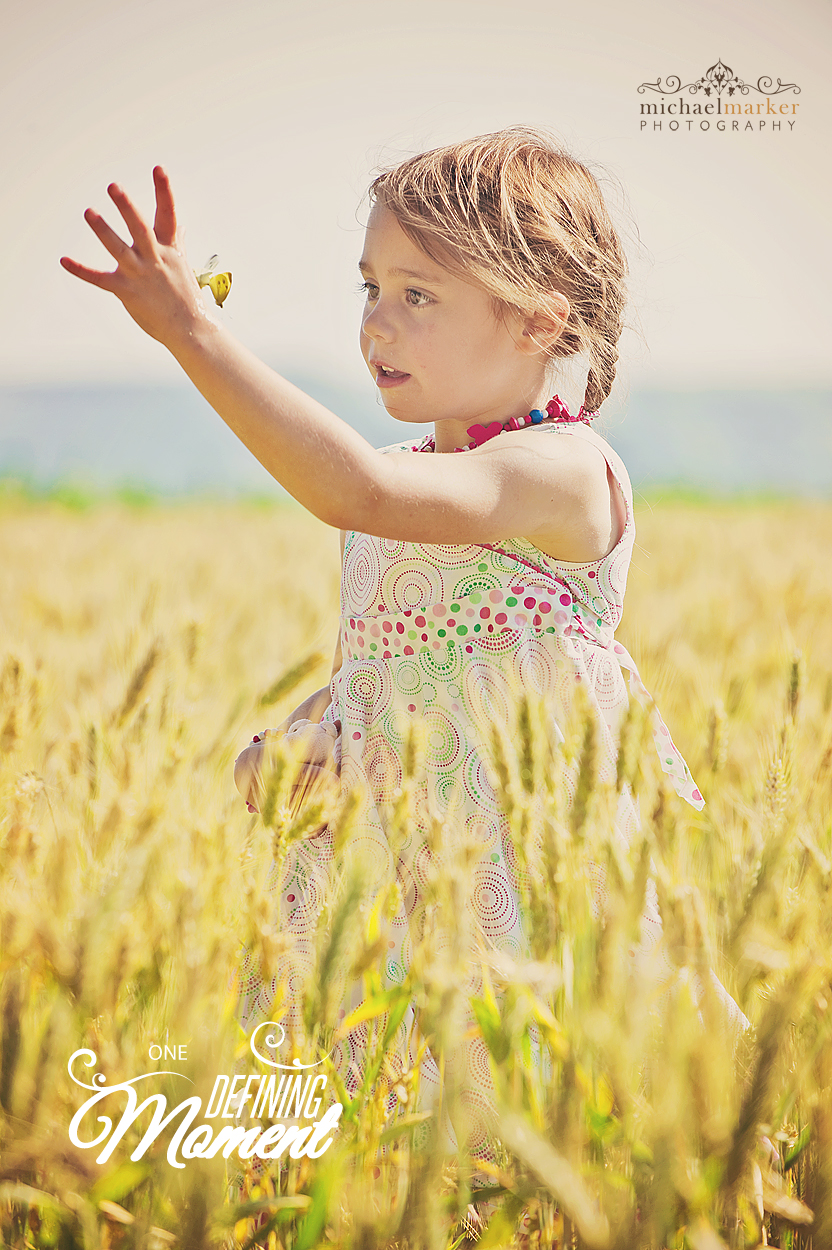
433,342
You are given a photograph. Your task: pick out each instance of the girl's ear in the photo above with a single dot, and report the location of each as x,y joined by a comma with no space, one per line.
541,330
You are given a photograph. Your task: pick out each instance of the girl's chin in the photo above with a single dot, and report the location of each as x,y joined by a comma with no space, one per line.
408,418
406,413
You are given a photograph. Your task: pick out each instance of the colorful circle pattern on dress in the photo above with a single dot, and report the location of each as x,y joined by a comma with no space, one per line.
443,742
406,587
495,906
361,578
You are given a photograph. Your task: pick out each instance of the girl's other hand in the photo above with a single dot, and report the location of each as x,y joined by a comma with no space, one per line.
153,279
248,772
320,749
320,743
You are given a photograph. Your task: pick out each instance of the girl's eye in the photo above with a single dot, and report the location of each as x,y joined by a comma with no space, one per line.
417,299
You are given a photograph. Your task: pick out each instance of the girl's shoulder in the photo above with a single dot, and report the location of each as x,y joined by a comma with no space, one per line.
615,464
620,497
590,435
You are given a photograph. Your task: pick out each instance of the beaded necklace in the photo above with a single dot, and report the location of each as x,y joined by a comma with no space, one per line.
555,410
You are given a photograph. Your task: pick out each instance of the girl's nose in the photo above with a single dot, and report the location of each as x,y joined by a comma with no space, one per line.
377,325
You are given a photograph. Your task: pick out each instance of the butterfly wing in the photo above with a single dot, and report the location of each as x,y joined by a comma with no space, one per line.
203,276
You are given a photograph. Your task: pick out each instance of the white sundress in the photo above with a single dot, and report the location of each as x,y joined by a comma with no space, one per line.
445,633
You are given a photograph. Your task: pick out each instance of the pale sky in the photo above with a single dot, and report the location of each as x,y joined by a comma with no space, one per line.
271,117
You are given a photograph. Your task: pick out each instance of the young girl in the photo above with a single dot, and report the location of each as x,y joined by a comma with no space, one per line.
485,263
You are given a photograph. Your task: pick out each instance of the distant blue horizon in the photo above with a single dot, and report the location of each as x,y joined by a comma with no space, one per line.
166,440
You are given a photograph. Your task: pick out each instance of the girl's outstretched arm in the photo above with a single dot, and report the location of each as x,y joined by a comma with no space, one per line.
304,446
551,487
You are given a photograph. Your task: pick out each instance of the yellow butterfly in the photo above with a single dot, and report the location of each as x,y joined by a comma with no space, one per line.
219,283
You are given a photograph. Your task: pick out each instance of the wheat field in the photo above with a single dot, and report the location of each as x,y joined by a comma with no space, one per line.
140,649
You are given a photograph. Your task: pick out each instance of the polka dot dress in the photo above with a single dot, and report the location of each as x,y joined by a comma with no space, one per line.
446,634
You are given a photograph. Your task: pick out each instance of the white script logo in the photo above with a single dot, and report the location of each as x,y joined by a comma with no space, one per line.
292,1097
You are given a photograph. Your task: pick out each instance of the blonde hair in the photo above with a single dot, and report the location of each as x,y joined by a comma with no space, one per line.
522,219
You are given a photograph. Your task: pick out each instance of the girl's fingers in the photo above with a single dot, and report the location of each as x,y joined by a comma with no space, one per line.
114,244
143,237
164,226
97,277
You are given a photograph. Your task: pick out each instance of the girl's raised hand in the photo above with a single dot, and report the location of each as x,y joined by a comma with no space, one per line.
153,279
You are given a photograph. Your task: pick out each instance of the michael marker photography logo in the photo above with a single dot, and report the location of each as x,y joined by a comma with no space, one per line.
721,101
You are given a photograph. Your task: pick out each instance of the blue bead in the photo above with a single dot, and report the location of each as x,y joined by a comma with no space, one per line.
536,416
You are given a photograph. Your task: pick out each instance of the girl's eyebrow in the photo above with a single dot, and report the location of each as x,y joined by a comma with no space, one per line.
430,279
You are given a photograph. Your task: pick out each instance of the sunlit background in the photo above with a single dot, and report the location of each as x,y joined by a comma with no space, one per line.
272,117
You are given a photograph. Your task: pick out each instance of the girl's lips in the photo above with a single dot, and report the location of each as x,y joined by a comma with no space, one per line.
390,379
